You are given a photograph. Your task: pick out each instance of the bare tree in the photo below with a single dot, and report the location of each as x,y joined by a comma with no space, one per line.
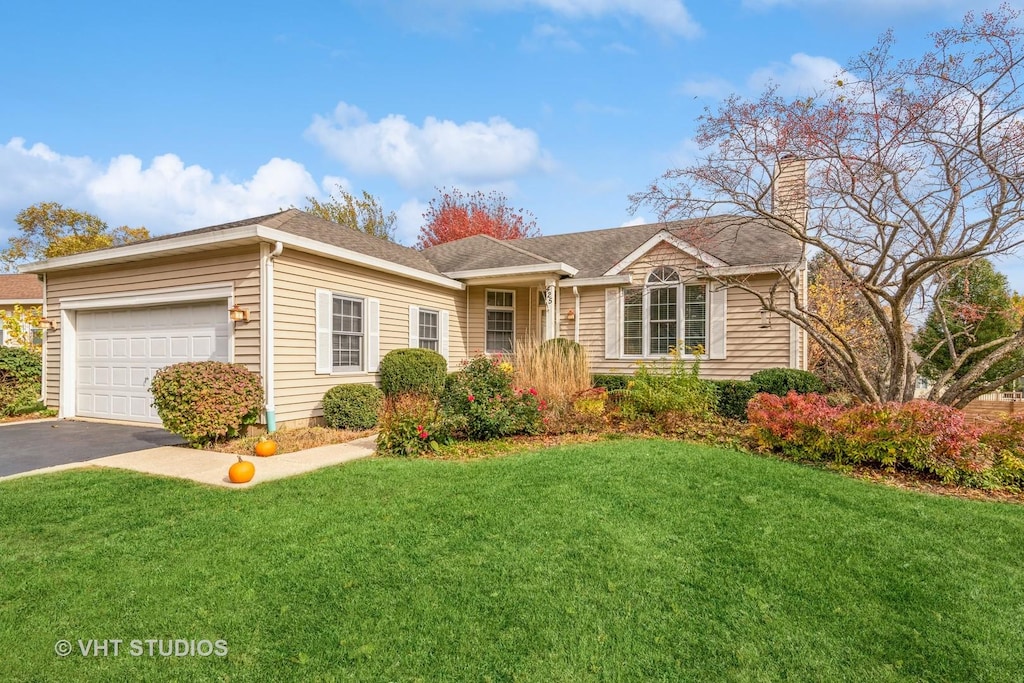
899,172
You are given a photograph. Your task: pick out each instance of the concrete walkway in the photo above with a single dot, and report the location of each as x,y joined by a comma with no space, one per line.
209,467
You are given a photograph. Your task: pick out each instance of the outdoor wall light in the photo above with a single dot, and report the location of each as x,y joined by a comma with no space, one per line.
238,314
570,314
48,324
766,319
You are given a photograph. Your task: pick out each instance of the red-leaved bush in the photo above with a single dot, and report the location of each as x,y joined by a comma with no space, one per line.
920,435
206,401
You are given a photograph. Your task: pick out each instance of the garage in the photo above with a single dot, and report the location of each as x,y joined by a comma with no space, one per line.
119,350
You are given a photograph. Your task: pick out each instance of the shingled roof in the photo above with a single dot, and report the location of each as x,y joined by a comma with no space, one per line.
734,240
312,227
20,288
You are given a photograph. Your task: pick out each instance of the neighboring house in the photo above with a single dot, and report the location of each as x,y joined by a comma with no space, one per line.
323,303
18,290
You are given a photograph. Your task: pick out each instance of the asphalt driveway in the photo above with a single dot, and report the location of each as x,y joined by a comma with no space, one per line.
31,445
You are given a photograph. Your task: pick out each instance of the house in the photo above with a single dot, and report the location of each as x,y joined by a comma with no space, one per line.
18,290
310,304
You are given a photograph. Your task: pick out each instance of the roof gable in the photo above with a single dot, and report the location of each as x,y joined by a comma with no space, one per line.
665,237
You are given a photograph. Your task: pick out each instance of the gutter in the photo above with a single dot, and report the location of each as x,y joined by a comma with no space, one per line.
267,335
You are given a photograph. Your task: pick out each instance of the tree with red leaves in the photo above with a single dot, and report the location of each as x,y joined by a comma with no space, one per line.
900,172
455,214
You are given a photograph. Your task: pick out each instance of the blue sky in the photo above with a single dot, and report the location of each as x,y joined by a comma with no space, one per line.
177,115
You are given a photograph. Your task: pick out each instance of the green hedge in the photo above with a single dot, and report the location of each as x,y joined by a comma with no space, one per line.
733,396
780,381
352,406
421,371
611,382
20,380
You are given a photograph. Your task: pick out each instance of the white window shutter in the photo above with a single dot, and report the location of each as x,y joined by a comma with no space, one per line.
717,296
611,323
372,334
414,327
442,324
323,332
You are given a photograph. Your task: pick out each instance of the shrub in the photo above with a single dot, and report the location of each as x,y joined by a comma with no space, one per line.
205,401
20,379
800,425
920,435
733,396
1006,439
481,402
352,406
781,381
611,382
411,424
413,371
663,386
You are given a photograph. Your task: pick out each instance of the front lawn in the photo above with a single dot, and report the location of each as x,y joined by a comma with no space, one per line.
625,560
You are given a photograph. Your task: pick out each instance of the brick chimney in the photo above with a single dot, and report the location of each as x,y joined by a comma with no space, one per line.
789,189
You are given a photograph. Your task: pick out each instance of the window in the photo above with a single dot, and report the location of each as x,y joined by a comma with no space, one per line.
428,336
346,334
653,319
500,324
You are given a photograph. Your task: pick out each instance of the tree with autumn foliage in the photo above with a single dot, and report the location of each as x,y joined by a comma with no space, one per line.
365,213
455,214
909,170
49,230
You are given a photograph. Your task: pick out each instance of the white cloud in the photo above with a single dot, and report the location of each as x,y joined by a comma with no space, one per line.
638,220
875,6
410,218
438,152
546,35
667,15
165,196
803,75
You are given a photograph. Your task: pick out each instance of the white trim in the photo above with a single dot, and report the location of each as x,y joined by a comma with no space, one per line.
759,269
664,236
349,256
138,250
21,302
534,269
150,297
718,317
794,337
414,326
511,308
196,242
624,279
68,378
323,332
646,321
444,342
372,334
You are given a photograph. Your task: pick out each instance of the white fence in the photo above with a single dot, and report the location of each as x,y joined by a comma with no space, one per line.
1002,396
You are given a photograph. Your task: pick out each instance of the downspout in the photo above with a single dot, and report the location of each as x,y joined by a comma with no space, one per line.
46,340
267,329
804,293
576,315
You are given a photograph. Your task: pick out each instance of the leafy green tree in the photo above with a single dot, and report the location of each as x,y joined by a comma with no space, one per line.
49,230
365,214
974,316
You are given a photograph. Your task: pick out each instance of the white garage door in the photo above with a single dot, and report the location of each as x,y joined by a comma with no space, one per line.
119,350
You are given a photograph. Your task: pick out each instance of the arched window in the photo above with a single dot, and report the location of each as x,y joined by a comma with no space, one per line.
656,315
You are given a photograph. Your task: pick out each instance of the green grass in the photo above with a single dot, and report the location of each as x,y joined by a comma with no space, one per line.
617,561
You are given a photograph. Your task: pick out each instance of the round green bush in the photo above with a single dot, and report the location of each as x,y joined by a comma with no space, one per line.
780,381
733,396
421,371
352,406
205,401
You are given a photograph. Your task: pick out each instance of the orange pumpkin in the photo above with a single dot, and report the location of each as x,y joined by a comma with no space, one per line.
266,448
241,471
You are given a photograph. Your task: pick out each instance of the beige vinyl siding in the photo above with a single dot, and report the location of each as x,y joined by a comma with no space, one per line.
297,276
238,266
749,348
